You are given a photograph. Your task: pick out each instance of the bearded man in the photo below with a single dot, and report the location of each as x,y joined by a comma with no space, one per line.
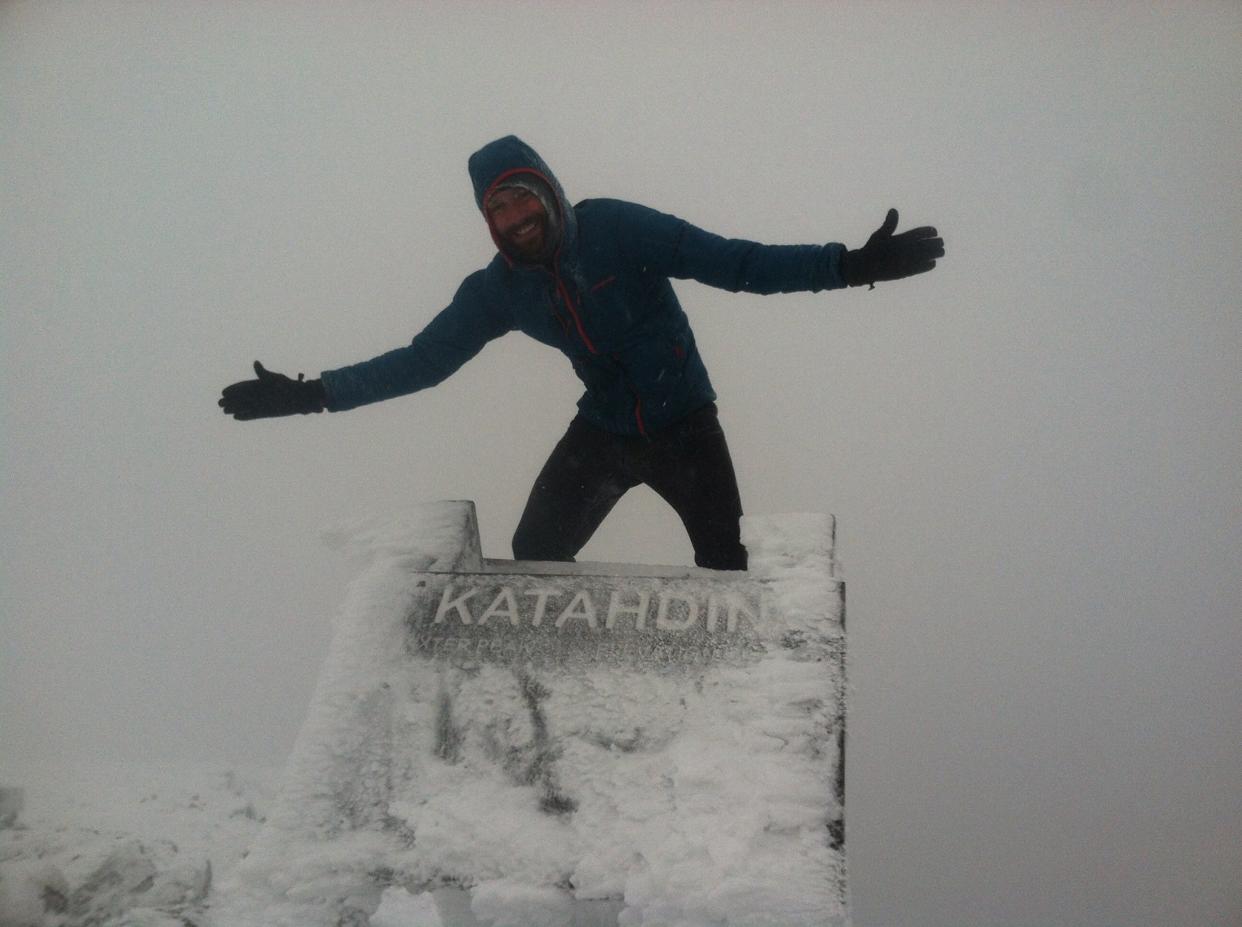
593,281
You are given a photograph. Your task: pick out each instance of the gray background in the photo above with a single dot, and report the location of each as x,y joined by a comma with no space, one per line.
1033,451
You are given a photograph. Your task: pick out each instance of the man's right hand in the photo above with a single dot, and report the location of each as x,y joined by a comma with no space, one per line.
271,395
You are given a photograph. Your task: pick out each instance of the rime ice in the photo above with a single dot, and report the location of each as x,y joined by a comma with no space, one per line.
650,745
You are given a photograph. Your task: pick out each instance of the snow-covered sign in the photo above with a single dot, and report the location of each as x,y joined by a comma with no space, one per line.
508,743
580,617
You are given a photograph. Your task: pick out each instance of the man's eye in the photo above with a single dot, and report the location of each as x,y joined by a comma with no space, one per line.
511,196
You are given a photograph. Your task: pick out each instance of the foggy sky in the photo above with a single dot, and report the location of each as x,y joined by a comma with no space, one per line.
1033,452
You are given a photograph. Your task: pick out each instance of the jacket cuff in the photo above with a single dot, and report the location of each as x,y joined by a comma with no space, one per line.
330,403
832,268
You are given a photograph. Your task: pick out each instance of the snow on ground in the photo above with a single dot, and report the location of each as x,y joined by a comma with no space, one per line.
718,814
694,794
112,844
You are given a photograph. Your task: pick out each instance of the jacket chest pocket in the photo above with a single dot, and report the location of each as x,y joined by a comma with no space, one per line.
602,283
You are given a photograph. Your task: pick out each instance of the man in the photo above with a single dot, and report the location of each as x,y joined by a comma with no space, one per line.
592,280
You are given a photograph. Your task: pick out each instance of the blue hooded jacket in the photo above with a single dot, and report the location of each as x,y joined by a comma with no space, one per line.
604,301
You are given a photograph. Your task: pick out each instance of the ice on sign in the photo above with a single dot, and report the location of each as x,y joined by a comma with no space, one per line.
575,619
569,744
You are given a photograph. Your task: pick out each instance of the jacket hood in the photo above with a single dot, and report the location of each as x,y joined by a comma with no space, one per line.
500,160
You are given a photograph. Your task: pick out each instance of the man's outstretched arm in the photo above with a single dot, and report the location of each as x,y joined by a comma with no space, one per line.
454,336
678,249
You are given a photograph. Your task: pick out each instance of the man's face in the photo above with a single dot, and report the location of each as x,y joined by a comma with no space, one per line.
520,221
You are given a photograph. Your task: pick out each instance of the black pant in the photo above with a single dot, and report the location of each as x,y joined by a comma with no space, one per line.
687,463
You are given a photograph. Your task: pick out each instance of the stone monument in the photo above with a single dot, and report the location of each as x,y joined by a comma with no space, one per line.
530,743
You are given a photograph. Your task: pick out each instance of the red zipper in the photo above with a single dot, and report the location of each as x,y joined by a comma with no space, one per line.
569,303
564,291
560,284
638,414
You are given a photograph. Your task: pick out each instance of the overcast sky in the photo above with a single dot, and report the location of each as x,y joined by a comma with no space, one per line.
1033,452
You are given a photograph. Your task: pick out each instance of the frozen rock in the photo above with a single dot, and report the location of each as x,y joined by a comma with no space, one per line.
12,800
504,903
524,741
31,892
145,917
398,908
126,873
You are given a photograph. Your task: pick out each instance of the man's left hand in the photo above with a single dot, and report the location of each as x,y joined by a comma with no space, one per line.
886,256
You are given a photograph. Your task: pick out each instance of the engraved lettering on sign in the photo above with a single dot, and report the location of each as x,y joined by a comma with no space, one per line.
582,608
735,609
541,604
636,621
577,609
458,604
639,610
510,610
664,619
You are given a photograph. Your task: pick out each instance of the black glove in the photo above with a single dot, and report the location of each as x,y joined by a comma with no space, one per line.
886,256
271,395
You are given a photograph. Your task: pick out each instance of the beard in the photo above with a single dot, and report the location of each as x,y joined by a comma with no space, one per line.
532,246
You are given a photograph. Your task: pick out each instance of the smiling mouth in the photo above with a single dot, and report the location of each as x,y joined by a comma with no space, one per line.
527,238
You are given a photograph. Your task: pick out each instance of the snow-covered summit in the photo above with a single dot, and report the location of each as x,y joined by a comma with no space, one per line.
556,744
500,744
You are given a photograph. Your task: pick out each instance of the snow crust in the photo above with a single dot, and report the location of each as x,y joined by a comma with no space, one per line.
110,844
680,796
690,796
